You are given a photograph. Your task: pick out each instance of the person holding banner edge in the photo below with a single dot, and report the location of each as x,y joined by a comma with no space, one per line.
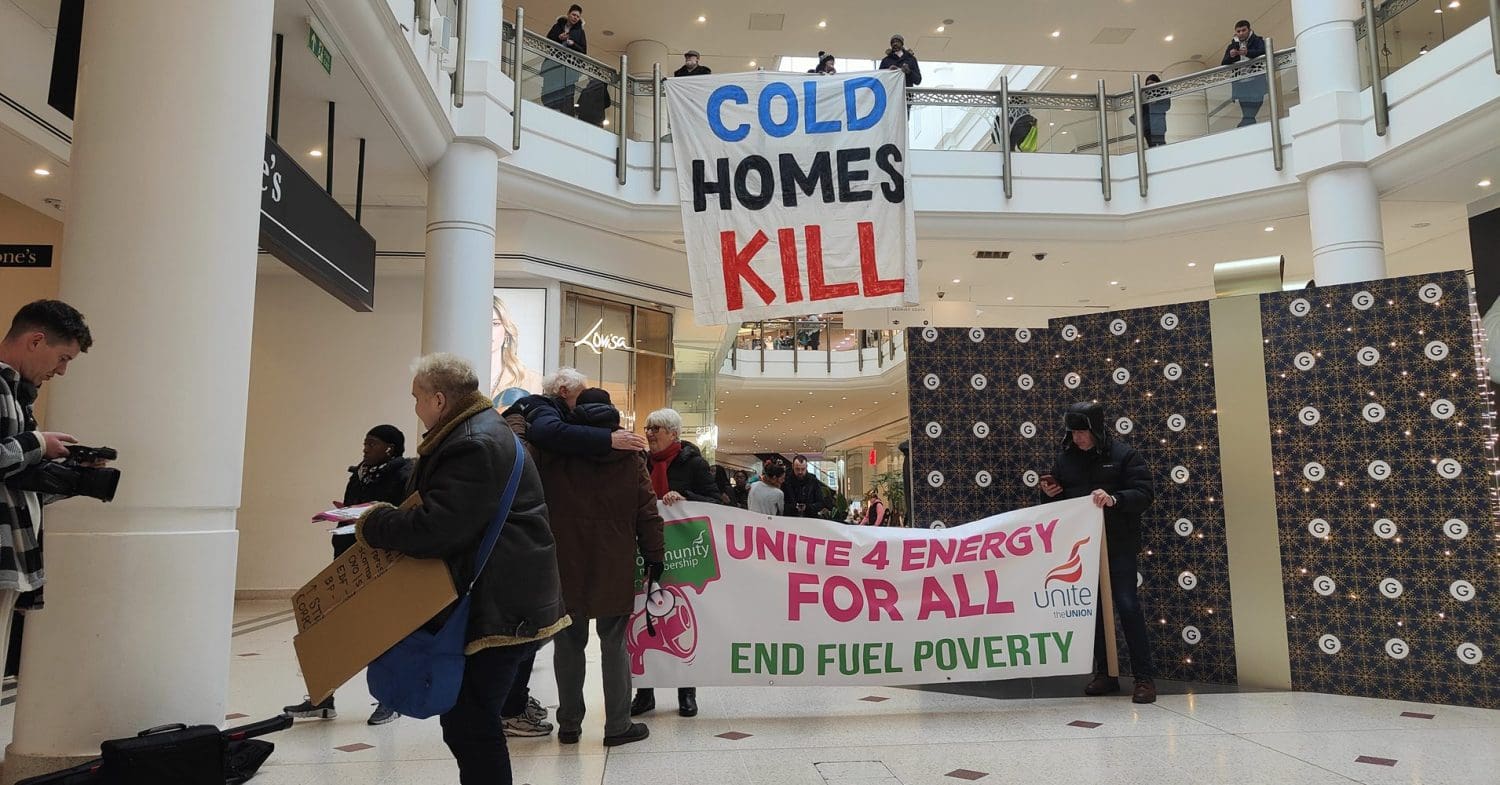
1116,477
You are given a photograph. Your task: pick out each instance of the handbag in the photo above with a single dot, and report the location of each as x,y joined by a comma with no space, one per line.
421,675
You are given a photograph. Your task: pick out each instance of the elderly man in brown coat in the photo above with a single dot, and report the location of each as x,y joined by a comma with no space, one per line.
603,512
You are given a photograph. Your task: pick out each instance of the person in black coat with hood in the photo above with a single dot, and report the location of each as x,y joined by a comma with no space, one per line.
559,82
899,58
1250,92
1094,464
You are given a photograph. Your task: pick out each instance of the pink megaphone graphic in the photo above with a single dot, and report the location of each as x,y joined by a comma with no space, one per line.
675,628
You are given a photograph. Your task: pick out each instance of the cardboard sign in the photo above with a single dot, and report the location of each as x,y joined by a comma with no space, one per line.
358,607
795,193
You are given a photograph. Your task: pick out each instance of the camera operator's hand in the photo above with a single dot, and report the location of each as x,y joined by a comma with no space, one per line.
55,445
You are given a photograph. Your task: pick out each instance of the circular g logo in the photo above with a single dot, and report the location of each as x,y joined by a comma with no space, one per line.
1121,376
1309,416
937,525
1455,529
935,478
1118,327
931,381
1397,648
1300,307
1176,423
1443,408
1124,426
1324,585
1379,470
1028,430
1069,332
930,334
1319,528
1169,321
982,479
933,430
1449,469
1191,635
1304,361
1072,380
1314,471
1385,528
1173,372
1430,293
1463,591
1437,350
982,430
1391,588
1025,382
1023,335
1368,356
1374,412
1363,301
1328,644
1030,479
1469,654
1187,581
976,335
978,381
1180,474
1184,527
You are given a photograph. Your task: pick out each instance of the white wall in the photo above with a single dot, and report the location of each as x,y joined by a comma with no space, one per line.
321,376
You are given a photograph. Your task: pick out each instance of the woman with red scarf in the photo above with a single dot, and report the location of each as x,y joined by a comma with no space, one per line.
678,472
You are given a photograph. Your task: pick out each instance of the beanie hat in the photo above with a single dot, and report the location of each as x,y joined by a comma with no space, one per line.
391,435
899,37
594,395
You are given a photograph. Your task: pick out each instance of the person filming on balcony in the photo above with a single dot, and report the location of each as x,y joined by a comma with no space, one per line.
1249,92
559,82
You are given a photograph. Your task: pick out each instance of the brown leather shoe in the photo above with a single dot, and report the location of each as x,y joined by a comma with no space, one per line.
1145,691
1102,684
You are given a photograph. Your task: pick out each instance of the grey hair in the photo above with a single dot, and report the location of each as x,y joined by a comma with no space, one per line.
445,373
666,418
564,377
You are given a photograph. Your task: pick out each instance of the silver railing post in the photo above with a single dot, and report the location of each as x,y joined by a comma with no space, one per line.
761,327
1273,85
1142,124
828,344
1004,124
1104,177
424,17
1495,32
516,72
795,350
462,55
623,113
657,87
1377,84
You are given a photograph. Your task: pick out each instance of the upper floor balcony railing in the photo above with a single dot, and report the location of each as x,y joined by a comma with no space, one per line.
814,346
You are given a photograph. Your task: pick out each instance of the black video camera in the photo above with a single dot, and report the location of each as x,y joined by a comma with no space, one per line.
70,476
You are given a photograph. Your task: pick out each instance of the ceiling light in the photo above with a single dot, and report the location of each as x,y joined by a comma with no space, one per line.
1009,299
823,23
941,28
1270,228
955,280
1453,4
752,63
41,172
1192,264
1437,10
606,121
702,19
1485,183
1073,76
1057,34
1114,283
1169,38
1064,133
315,153
1423,50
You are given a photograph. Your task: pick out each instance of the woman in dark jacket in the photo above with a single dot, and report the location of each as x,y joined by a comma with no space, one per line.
463,463
899,58
381,476
1156,117
679,472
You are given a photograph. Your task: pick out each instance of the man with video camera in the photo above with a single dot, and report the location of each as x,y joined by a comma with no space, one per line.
44,337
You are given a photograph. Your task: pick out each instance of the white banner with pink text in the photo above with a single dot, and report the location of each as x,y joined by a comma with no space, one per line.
755,599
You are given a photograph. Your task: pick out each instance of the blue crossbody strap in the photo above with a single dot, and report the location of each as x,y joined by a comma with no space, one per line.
492,534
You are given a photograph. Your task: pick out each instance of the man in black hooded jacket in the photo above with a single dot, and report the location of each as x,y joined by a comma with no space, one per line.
1115,476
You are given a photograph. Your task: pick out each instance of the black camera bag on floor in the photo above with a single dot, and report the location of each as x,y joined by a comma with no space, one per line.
177,754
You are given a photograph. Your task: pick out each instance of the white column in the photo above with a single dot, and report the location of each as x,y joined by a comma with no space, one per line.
460,274
1342,201
160,234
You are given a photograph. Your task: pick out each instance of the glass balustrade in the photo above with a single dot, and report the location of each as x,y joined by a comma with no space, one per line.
811,346
1406,30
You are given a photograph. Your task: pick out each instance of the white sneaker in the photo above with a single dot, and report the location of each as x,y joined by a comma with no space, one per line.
535,710
525,726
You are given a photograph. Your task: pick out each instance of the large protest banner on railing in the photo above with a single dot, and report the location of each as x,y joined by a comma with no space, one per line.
794,191
754,599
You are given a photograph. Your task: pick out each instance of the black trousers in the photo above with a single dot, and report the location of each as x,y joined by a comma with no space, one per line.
1122,570
1248,111
472,729
520,688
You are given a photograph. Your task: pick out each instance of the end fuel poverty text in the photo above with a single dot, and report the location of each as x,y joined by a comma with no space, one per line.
944,654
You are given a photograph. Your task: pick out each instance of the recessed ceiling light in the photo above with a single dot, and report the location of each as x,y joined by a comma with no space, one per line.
315,153
41,172
1453,4
1192,264
1072,76
1169,38
702,19
941,28
1114,283
1009,299
752,63
1485,183
1270,228
1063,133
1057,34
606,121
823,23
955,280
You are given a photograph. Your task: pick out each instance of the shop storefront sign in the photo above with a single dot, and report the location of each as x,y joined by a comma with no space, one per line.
751,599
794,193
599,342
302,225
25,256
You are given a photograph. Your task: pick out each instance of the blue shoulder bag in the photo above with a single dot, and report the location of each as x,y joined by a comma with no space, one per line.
421,675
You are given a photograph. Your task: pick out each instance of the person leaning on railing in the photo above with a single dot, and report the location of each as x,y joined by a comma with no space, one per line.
1249,92
559,82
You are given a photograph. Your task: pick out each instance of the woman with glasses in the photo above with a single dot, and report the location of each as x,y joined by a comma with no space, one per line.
679,472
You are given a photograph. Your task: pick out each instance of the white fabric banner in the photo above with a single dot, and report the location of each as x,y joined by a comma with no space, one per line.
795,195
752,599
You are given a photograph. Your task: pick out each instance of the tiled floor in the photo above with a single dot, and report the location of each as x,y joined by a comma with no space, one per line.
840,736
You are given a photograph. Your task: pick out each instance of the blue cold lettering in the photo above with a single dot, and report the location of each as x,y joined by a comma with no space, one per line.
716,100
788,126
851,102
814,125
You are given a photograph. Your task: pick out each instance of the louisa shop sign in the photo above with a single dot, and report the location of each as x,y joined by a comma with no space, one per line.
25,256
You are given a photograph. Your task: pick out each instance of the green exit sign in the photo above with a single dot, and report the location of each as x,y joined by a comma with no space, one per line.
319,50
